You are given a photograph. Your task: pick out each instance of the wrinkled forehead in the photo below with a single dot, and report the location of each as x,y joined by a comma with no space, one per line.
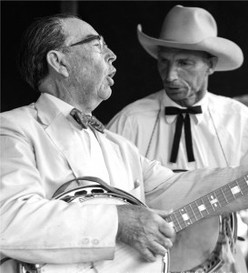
76,30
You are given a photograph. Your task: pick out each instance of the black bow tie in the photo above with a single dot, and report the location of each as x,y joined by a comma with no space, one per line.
87,120
187,128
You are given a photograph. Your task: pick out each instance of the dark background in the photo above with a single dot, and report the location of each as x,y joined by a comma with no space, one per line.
117,20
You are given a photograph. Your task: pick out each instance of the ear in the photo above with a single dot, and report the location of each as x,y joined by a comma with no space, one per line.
56,60
212,64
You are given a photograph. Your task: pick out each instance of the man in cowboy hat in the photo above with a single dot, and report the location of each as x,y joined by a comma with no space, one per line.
215,131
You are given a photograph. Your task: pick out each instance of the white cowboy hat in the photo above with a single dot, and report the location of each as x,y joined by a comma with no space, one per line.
193,29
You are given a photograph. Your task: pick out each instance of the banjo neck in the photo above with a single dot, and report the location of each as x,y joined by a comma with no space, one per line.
209,204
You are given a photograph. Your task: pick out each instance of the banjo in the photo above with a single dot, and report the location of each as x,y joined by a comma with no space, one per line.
127,259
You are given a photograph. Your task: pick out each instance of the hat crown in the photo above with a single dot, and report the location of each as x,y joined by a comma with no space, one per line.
188,25
193,29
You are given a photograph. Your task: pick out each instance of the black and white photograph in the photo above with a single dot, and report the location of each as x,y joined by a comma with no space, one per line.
124,137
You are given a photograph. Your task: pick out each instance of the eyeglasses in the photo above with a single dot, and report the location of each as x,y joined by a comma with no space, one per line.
100,39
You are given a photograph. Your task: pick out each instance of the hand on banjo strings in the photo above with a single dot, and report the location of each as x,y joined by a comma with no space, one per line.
145,230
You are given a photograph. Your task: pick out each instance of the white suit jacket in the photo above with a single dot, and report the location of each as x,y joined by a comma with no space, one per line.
40,151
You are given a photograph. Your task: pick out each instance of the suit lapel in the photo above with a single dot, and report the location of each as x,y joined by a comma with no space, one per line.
61,131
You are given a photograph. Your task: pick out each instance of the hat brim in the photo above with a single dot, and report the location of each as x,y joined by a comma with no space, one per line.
230,55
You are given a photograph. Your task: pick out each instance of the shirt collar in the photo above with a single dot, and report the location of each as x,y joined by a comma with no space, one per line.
64,107
166,101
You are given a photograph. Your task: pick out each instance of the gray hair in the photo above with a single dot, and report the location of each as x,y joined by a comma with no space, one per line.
43,35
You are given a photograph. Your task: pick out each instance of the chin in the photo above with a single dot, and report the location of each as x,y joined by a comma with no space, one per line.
176,97
105,94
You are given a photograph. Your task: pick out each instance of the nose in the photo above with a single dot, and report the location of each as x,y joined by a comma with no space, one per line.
111,57
171,73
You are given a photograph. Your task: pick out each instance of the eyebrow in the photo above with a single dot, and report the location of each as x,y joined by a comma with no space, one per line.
87,39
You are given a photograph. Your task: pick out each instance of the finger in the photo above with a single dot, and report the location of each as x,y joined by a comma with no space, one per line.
158,249
167,230
148,255
153,249
165,242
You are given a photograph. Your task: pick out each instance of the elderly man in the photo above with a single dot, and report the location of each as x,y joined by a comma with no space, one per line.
72,193
215,131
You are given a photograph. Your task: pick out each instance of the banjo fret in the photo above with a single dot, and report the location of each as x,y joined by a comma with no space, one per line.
208,204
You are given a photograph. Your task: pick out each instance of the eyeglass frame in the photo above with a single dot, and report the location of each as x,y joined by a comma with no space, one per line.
89,39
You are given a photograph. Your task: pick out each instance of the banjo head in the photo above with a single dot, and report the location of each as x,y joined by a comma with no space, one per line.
198,248
126,259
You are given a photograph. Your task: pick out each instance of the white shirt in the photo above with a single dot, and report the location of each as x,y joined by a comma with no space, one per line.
219,134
